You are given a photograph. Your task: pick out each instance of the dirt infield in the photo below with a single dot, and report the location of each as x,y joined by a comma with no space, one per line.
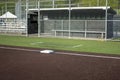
31,65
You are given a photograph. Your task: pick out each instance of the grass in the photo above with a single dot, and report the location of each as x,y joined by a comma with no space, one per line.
63,44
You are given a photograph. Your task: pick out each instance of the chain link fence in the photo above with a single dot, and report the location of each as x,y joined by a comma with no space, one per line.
60,28
80,28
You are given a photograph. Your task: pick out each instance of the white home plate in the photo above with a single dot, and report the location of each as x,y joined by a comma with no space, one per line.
47,51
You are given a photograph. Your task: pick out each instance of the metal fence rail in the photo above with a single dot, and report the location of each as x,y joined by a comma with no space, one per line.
80,28
116,28
13,27
60,28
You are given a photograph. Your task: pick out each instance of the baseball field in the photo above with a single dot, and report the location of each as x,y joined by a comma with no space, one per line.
20,59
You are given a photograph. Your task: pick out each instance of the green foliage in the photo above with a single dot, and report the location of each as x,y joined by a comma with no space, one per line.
10,6
113,3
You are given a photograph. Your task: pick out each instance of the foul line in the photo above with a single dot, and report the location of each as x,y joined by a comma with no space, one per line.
64,53
87,55
20,49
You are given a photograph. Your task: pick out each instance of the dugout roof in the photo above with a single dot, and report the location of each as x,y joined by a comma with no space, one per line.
80,9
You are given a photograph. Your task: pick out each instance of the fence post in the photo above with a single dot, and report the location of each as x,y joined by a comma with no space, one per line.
106,19
39,32
69,18
85,28
53,3
62,25
26,17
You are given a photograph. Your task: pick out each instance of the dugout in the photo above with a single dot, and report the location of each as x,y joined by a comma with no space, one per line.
88,22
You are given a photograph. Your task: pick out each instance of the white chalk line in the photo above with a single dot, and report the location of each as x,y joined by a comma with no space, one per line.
87,55
64,53
76,46
20,49
42,43
34,43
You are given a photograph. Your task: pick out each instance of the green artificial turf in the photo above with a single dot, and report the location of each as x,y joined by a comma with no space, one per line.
106,47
